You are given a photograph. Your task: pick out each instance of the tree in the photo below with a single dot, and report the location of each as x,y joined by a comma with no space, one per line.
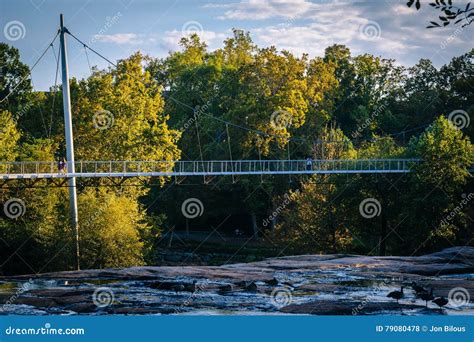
315,220
450,13
124,109
111,227
9,136
38,239
13,74
437,184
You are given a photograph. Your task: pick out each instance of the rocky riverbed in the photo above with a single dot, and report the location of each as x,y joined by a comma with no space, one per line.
306,284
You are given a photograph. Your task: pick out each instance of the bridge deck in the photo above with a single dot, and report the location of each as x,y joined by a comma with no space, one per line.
33,170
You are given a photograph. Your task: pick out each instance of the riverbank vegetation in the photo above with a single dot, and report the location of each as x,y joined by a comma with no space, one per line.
244,102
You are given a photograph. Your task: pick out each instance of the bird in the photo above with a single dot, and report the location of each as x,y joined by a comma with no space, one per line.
251,287
272,282
248,285
185,287
396,294
192,287
417,288
426,296
440,301
226,288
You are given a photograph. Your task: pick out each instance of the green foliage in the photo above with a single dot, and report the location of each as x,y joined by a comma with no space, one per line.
278,106
447,155
9,136
110,230
12,70
130,103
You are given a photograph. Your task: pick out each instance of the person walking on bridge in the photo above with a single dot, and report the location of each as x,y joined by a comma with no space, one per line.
309,164
62,166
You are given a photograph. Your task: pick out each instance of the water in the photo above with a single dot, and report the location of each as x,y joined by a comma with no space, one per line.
137,297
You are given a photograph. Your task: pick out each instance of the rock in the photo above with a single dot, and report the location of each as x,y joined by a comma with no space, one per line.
326,307
272,282
82,307
319,284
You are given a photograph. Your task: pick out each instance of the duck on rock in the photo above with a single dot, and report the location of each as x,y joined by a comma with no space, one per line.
426,296
396,294
440,301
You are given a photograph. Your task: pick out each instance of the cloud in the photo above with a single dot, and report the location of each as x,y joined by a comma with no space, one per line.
211,38
119,38
264,9
386,28
358,33
125,39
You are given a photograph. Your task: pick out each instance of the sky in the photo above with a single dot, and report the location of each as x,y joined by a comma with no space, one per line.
118,28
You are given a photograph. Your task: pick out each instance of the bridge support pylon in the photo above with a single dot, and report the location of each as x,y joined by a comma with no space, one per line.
69,138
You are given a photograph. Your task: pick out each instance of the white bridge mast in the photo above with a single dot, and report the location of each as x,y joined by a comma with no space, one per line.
69,138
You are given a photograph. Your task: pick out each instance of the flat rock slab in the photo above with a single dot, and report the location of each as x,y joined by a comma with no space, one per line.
336,284
324,307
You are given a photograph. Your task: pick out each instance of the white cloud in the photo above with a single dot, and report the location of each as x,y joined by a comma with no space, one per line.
119,38
315,37
264,9
211,38
382,28
125,38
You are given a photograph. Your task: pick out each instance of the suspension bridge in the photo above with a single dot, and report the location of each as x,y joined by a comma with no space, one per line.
44,170
36,170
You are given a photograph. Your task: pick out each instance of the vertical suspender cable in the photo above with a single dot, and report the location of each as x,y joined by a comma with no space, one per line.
230,152
289,159
260,158
55,90
199,141
87,57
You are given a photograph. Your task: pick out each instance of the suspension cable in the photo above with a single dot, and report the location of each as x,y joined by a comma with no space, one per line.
41,111
87,57
230,152
31,69
256,131
199,139
55,90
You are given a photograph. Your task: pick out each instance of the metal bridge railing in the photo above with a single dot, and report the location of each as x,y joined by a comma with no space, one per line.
210,167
